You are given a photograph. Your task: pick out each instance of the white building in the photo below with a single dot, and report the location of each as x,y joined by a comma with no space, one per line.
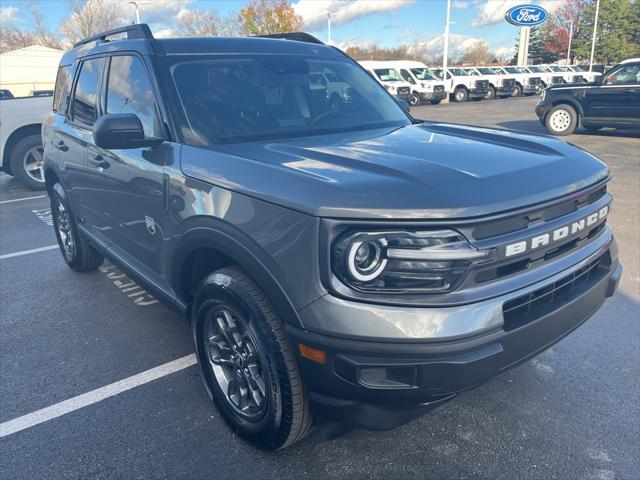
27,69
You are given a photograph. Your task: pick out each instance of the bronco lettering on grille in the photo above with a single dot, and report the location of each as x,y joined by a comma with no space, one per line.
555,235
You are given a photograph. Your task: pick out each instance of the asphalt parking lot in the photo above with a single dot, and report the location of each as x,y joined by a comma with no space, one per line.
571,413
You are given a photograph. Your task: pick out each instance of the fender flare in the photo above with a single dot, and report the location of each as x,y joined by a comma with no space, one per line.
205,232
567,100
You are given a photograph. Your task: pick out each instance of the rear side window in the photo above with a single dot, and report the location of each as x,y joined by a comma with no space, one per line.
63,87
129,90
85,98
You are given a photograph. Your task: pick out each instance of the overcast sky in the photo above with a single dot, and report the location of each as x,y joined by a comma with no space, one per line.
355,22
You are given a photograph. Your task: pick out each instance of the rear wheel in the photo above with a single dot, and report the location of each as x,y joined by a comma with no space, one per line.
561,120
246,362
75,248
461,94
27,162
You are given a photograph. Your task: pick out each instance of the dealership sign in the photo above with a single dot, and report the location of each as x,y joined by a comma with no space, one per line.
526,15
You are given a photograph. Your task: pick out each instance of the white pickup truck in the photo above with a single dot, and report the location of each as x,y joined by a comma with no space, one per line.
389,78
21,139
461,85
500,85
425,87
527,83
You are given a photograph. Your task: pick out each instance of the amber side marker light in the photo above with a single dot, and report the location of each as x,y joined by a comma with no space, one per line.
312,354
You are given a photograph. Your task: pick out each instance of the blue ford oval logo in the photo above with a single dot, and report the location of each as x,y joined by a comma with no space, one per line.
526,15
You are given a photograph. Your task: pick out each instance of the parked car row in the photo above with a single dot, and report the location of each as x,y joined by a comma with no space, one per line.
416,83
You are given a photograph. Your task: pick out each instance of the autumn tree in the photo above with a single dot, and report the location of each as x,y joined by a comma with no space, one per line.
263,17
204,23
89,17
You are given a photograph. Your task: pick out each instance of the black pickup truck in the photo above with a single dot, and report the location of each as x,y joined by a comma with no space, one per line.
341,261
613,100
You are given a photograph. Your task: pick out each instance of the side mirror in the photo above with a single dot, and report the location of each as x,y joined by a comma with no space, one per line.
121,131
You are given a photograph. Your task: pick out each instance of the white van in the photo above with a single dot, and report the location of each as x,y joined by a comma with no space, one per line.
389,77
425,87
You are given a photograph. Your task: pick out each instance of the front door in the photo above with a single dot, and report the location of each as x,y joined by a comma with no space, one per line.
617,99
128,185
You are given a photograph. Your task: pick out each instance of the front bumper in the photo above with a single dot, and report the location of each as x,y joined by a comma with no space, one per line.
506,90
541,109
478,92
382,383
427,96
530,89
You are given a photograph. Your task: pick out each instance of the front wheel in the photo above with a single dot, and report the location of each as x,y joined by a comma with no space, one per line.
491,93
561,120
75,248
414,100
246,362
461,95
436,102
517,92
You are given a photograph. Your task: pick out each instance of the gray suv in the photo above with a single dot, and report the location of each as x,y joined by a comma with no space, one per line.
340,258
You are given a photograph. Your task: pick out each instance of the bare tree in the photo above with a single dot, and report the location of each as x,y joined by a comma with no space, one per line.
89,17
204,23
12,37
42,35
478,54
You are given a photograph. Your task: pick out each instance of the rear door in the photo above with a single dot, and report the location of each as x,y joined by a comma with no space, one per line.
127,185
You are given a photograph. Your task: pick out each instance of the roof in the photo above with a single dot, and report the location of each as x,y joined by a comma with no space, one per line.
32,50
631,60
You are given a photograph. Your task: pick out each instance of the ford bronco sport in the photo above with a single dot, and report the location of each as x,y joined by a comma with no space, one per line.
342,259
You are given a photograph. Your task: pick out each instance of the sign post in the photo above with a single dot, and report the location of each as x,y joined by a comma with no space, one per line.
525,17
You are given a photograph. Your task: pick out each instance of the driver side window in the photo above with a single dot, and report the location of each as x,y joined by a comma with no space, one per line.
407,76
627,75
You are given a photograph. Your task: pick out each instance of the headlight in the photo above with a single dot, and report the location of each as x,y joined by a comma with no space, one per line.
543,95
405,261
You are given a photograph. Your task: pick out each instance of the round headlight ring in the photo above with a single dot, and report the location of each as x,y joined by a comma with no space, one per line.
365,261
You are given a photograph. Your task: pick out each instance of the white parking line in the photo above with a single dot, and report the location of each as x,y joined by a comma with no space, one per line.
27,252
21,199
94,396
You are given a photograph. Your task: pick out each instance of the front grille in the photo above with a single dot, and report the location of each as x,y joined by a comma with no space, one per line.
559,79
528,307
438,88
578,78
523,220
403,91
482,84
534,81
509,83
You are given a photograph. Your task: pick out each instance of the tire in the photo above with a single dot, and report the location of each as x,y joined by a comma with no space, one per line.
491,93
436,102
26,162
461,94
275,412
414,100
561,120
518,91
75,249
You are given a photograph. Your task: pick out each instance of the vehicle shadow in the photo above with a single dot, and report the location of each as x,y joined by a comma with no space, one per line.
534,126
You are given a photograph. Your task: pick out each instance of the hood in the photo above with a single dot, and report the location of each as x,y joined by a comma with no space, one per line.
421,171
570,85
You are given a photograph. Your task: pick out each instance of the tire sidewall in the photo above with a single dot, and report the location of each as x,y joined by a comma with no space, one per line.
264,431
414,100
491,93
58,194
461,95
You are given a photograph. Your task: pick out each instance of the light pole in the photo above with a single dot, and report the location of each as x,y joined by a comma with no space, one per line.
329,15
593,40
135,4
570,22
445,59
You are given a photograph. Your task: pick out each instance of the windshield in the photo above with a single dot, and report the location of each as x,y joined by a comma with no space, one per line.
486,71
423,74
516,70
576,68
458,72
558,68
536,69
471,72
388,75
248,98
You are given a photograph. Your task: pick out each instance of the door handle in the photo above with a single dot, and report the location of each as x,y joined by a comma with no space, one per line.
99,162
61,146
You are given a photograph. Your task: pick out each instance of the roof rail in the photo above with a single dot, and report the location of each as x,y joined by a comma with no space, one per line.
135,31
297,36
